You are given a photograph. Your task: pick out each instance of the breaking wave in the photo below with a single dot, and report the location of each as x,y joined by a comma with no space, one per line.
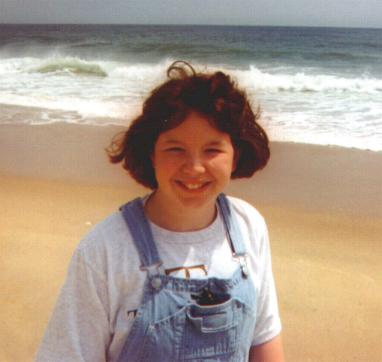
72,66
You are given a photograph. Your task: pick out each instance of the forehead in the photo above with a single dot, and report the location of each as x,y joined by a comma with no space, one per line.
195,127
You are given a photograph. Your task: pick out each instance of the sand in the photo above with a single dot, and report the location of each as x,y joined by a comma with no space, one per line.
323,206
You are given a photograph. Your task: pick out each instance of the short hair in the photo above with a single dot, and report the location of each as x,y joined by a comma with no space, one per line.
213,95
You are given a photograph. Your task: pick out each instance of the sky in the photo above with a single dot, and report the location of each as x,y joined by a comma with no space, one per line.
346,13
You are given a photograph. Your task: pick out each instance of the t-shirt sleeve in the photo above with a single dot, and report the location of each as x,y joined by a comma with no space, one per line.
268,323
79,326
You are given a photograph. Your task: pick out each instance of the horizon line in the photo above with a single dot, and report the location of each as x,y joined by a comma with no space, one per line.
201,25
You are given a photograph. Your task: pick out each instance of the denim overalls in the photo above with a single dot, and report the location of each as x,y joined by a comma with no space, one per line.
189,319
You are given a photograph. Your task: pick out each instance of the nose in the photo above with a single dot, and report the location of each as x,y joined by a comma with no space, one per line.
193,165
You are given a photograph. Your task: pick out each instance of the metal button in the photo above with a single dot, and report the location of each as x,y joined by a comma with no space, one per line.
244,271
156,283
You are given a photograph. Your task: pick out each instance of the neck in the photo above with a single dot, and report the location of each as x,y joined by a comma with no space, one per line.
177,218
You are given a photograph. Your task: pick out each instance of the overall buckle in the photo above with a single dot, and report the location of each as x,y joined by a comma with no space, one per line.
152,269
241,258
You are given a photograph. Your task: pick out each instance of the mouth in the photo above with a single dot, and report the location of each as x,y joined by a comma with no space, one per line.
193,186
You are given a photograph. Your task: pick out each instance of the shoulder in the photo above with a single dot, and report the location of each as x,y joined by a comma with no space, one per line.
107,242
108,231
251,223
246,211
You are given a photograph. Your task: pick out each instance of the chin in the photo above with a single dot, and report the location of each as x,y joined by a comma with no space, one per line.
197,201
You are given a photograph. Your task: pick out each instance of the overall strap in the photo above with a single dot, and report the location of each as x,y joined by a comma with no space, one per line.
234,234
135,218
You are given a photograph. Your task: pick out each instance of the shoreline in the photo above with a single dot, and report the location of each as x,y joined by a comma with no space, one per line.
315,177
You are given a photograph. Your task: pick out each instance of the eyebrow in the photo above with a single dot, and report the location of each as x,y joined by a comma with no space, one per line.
211,143
171,141
215,143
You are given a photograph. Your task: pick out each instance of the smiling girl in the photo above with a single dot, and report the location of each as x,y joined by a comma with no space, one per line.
184,273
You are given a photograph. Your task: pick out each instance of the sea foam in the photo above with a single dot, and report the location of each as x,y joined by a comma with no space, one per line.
297,105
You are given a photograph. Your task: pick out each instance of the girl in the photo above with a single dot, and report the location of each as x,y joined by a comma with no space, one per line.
184,273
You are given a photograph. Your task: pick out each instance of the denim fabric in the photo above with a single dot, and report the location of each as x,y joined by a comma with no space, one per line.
170,324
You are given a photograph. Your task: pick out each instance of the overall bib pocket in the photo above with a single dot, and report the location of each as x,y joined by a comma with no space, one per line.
197,332
213,330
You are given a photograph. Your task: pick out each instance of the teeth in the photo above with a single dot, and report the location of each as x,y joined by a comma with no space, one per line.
193,186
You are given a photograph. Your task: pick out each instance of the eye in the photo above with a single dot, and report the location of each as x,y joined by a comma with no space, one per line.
213,150
174,149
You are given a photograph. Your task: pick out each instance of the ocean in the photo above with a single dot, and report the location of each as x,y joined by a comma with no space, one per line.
314,85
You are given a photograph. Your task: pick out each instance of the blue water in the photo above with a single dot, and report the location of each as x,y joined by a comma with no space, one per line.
314,85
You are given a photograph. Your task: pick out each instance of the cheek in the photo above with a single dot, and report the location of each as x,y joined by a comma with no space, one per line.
223,165
165,165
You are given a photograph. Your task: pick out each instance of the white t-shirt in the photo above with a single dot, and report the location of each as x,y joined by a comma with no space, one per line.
104,285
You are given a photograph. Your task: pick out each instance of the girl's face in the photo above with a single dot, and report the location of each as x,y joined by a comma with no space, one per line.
193,163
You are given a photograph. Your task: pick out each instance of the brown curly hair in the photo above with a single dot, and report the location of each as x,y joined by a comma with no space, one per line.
213,95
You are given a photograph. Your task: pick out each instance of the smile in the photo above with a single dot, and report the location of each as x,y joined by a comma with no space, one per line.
192,186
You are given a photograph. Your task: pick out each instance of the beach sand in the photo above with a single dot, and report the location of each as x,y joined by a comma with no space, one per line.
323,206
